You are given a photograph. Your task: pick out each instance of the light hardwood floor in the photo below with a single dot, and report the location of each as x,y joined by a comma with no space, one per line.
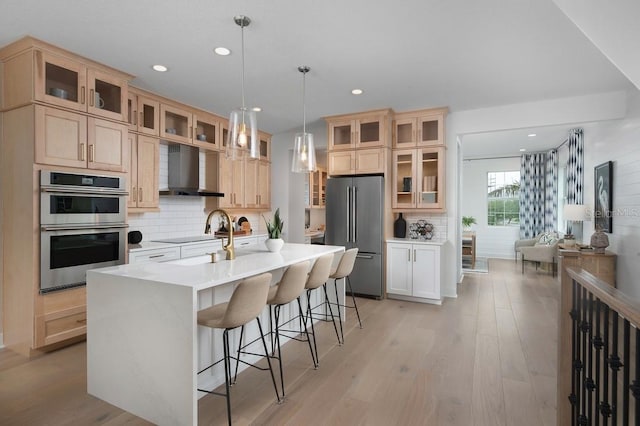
485,358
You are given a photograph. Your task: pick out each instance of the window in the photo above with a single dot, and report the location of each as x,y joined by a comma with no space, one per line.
503,198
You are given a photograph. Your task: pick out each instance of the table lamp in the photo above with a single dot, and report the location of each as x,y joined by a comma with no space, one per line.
573,213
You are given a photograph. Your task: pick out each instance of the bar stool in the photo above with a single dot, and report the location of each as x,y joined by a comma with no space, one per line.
286,291
318,277
342,271
247,302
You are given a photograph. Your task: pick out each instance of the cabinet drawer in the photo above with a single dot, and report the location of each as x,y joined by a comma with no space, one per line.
58,326
157,255
246,241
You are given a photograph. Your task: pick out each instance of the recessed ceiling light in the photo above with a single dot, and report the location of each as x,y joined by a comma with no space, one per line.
522,149
160,68
222,51
357,91
256,109
532,135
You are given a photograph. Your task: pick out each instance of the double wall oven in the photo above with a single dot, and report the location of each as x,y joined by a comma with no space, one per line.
82,226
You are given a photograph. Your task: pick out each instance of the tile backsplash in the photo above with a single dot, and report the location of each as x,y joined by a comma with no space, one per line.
438,220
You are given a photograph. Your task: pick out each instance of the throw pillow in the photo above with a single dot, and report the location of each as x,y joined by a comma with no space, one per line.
547,239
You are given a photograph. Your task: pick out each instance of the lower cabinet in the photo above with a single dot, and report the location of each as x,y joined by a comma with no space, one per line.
413,270
62,316
182,251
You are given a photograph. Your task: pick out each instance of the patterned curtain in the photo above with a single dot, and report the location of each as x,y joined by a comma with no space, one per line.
575,167
532,197
551,192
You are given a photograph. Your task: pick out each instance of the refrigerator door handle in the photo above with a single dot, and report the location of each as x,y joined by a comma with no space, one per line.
364,256
354,213
348,204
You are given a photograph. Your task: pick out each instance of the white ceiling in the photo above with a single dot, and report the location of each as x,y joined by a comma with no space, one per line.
407,54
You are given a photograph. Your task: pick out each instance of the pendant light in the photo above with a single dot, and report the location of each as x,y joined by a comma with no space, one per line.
243,126
304,153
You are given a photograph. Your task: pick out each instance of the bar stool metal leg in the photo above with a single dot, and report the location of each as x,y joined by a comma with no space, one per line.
353,297
303,326
227,372
266,354
326,295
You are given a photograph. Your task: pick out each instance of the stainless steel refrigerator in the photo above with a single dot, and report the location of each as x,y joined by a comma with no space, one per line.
354,209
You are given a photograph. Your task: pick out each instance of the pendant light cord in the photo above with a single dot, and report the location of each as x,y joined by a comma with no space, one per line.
304,105
242,56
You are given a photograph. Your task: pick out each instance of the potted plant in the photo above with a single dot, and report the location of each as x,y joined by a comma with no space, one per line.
467,221
274,228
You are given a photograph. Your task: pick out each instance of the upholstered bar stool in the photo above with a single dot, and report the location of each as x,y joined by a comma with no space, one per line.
342,271
286,291
247,302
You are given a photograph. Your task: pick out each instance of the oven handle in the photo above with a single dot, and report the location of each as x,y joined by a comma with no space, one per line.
82,190
48,228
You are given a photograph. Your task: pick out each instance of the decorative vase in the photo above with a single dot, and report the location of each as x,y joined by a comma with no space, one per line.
400,227
274,245
599,241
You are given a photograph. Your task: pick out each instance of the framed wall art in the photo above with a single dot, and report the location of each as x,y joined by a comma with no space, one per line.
603,175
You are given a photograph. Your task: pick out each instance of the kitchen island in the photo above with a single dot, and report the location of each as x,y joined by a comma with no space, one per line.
144,347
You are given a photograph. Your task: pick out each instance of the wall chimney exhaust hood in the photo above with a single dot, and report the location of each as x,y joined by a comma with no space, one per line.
184,172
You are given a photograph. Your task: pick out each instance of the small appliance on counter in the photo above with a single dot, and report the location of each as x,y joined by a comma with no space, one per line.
134,237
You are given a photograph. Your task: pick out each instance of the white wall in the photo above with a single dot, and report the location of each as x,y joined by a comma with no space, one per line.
620,145
491,241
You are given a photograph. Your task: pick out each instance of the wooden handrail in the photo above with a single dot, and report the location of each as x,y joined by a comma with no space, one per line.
626,306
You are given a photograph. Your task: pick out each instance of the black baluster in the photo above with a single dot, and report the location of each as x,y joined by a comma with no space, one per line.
573,398
584,328
635,387
625,373
589,384
597,346
605,407
614,365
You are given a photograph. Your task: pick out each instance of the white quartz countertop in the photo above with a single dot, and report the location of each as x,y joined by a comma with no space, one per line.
200,274
412,241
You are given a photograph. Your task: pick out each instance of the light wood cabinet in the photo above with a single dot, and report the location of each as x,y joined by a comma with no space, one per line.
357,162
143,113
73,83
413,271
317,188
602,265
418,179
143,173
60,316
175,124
257,193
206,131
354,131
246,183
231,183
64,138
419,128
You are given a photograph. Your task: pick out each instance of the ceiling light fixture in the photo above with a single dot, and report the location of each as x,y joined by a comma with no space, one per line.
304,152
243,126
256,109
160,68
222,51
523,149
532,135
356,92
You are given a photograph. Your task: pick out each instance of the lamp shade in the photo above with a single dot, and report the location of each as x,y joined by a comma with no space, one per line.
304,154
575,212
242,135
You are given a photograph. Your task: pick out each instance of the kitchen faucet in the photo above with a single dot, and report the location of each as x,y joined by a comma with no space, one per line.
231,254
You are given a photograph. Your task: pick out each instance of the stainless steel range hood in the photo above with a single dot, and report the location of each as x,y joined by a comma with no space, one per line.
184,172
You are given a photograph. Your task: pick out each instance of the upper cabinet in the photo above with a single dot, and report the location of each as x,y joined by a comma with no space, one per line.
361,130
143,113
419,128
35,71
418,179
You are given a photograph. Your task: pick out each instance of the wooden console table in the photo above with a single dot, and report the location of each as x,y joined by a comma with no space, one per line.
469,248
602,266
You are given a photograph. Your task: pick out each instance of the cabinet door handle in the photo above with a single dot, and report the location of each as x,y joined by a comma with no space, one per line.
141,118
134,118
135,194
140,194
91,97
82,100
92,153
155,256
414,256
409,255
81,152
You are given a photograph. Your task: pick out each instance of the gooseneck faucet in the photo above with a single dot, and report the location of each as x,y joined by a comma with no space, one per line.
231,254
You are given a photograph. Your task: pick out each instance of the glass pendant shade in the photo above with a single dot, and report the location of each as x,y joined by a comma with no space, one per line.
304,154
242,137
304,151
